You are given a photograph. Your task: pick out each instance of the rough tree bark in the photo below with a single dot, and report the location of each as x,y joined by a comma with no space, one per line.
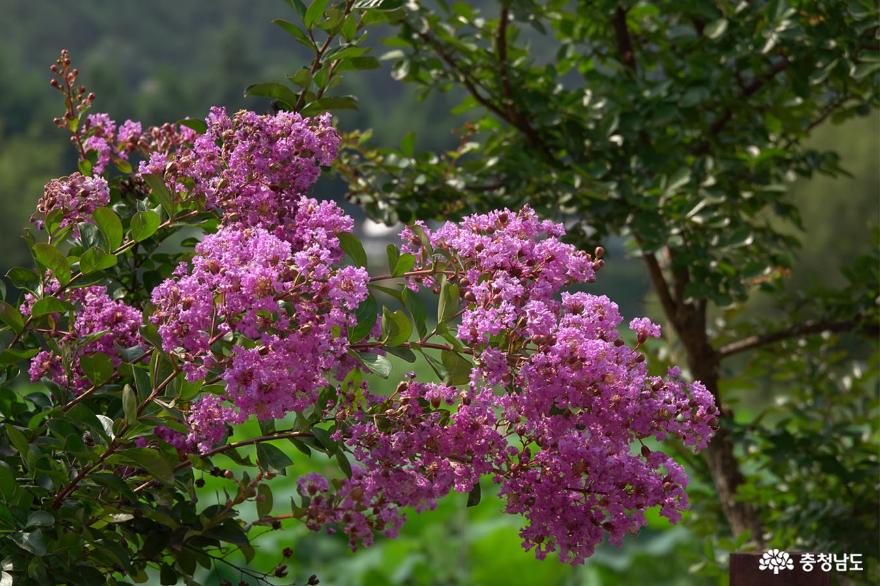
688,319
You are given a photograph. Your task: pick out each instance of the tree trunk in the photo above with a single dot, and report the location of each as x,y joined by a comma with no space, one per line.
703,360
688,318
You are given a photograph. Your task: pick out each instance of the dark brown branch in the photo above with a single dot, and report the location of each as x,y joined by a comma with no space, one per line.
827,111
623,38
748,91
658,280
501,49
518,121
806,329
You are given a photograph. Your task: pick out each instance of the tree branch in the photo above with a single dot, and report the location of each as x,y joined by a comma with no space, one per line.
517,120
623,38
670,307
501,49
829,109
748,91
286,434
805,329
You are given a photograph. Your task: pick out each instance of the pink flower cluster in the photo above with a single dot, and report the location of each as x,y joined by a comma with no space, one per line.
286,305
110,143
555,404
513,264
411,452
254,168
74,196
108,326
557,409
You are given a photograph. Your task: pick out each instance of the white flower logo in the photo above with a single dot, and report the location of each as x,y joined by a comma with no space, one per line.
776,560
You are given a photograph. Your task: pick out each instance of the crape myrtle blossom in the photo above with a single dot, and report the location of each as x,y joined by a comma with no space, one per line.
253,168
293,307
556,407
107,143
411,451
106,325
561,443
75,197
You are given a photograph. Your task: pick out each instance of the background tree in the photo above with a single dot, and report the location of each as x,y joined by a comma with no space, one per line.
680,126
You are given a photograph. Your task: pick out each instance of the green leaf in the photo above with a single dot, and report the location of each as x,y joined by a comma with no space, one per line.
378,4
475,495
359,63
48,305
23,278
863,70
393,256
9,357
448,305
366,318
458,368
272,458
264,500
396,327
298,6
402,352
129,405
417,310
275,91
49,256
144,224
200,126
230,532
150,460
97,367
299,445
150,333
163,195
404,264
353,248
408,144
115,483
8,483
395,293
349,27
95,259
314,12
40,519
110,225
330,103
167,575
11,316
296,32
377,364
302,78
716,28
681,178
33,542
123,166
324,439
343,462
17,439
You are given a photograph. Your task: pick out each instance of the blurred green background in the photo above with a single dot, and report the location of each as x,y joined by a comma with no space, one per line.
165,59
